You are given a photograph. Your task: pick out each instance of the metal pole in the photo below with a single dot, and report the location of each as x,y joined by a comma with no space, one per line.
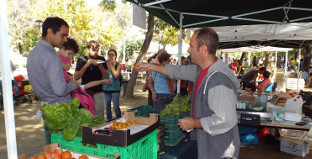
180,50
7,84
286,59
298,72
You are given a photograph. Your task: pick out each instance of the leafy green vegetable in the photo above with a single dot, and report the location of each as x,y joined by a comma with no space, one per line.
177,106
68,118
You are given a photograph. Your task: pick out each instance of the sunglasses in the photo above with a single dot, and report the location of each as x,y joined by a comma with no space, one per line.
111,54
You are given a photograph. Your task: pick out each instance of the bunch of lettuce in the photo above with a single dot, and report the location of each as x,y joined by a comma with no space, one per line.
67,118
178,106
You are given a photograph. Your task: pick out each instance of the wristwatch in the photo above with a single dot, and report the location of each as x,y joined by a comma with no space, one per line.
152,89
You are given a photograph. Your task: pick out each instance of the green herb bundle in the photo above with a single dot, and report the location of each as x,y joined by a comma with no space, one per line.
178,106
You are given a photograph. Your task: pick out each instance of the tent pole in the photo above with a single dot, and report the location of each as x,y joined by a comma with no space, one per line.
7,84
299,59
286,59
180,50
298,72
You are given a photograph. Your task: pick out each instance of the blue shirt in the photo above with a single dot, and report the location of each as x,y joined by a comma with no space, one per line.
46,75
160,83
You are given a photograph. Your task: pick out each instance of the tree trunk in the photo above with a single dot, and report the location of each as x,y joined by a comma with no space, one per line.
242,58
20,48
306,53
144,48
267,61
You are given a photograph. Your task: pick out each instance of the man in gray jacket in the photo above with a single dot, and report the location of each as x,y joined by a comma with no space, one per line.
213,114
44,66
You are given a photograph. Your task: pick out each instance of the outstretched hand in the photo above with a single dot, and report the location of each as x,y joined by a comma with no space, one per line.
140,67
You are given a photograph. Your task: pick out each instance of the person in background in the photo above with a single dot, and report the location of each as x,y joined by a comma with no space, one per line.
255,62
92,68
183,83
292,63
305,75
213,112
250,88
44,67
174,62
251,76
301,65
266,81
148,75
160,85
90,84
112,91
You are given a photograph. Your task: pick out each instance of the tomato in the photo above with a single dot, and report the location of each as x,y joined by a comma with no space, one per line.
58,151
83,157
66,155
41,157
56,156
47,154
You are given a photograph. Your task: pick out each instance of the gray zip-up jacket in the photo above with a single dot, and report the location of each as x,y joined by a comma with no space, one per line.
46,75
215,107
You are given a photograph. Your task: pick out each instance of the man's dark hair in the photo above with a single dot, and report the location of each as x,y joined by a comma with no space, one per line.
266,74
54,23
262,69
183,58
93,43
208,37
251,86
71,44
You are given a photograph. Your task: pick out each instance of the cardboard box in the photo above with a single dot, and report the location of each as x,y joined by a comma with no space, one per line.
121,137
54,146
293,142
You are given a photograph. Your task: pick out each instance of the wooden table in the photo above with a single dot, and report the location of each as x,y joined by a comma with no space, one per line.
265,120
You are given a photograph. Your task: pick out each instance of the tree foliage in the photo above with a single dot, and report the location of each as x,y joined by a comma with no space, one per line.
85,24
165,34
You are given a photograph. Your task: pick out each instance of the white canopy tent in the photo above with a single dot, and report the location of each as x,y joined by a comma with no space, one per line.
6,83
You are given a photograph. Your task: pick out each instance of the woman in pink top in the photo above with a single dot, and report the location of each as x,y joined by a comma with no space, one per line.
266,81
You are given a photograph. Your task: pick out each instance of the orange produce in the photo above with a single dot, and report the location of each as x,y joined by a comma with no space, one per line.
83,157
41,157
56,156
58,151
47,154
66,155
33,158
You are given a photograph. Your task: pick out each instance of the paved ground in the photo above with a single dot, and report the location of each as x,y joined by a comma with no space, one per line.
30,137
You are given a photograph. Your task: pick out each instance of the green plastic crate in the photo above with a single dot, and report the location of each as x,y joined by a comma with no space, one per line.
143,111
144,148
172,138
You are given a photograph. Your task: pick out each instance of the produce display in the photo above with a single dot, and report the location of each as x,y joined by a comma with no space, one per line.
60,154
115,125
178,106
67,118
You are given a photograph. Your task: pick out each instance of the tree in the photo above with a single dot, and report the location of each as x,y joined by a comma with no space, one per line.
144,48
22,28
306,53
165,33
268,57
132,46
